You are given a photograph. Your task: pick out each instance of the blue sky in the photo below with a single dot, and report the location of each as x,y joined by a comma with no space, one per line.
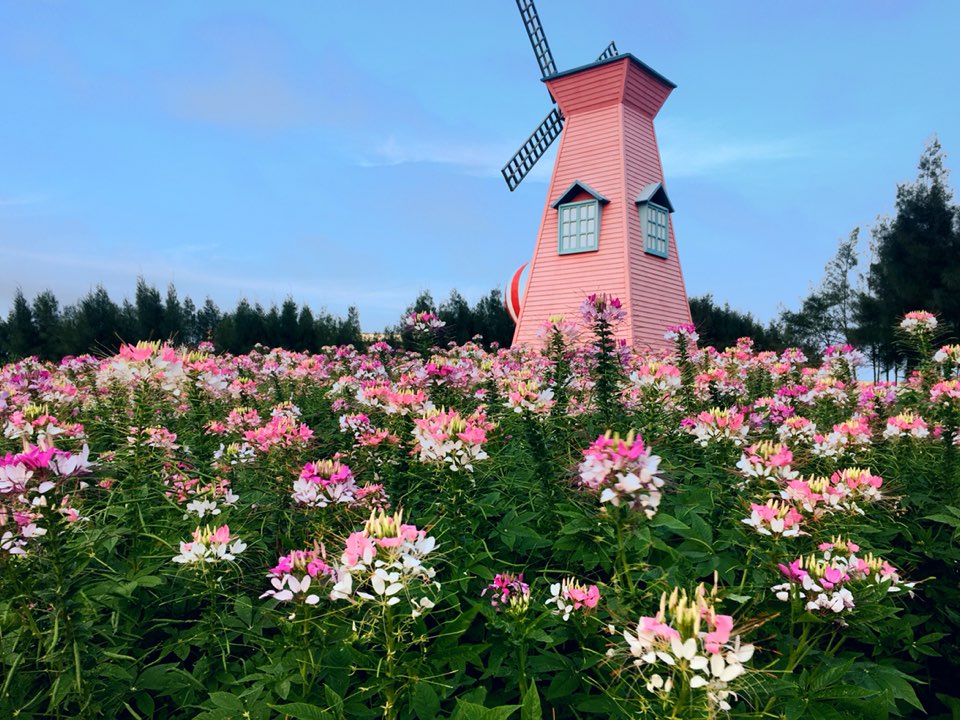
349,153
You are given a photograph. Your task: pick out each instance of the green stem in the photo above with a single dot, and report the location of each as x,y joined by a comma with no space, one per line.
522,668
390,706
623,570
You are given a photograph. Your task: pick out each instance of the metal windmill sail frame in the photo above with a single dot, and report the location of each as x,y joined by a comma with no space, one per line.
549,129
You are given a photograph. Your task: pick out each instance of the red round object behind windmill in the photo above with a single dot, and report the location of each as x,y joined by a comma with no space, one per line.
512,295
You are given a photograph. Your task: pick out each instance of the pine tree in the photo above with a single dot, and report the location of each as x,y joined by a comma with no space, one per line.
22,336
916,258
150,316
826,316
49,324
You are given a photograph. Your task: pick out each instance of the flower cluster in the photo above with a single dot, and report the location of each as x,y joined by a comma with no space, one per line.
444,437
570,595
529,394
718,425
918,321
774,517
767,461
383,559
510,591
906,424
324,482
210,546
603,308
423,322
299,571
949,357
686,331
38,486
623,471
687,647
824,583
196,496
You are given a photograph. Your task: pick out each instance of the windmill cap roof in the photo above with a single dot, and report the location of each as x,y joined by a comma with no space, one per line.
616,58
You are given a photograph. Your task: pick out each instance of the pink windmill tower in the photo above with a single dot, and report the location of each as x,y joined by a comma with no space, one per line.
606,224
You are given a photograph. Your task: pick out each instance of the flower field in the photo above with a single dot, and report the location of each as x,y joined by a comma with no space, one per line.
467,533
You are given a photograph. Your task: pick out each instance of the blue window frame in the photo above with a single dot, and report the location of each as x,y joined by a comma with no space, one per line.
656,231
579,227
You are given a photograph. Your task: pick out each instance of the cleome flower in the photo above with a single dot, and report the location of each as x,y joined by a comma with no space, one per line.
906,424
717,425
509,591
423,322
570,595
210,546
383,559
824,583
918,321
323,483
299,574
623,471
767,461
444,437
775,517
601,307
686,330
687,647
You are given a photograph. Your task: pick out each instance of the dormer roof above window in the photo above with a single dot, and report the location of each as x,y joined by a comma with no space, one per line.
577,188
654,193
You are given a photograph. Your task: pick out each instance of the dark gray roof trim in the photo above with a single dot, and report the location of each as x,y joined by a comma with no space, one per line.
616,58
655,193
571,192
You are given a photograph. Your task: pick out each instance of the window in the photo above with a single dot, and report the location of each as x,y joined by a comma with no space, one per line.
656,232
579,227
655,208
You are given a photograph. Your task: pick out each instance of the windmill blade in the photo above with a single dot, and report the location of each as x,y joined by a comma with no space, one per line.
531,21
610,52
532,150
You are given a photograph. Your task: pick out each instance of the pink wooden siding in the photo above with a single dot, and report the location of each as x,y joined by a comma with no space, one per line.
608,142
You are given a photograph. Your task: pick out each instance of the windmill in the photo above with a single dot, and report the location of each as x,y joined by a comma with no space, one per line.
606,222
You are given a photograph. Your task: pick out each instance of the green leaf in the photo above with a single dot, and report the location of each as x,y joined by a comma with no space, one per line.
227,701
243,607
472,711
846,692
530,710
662,519
563,684
333,700
303,711
945,519
426,704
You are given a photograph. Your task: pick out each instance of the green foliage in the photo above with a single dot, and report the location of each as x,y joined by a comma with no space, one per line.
97,325
488,318
916,258
721,327
97,621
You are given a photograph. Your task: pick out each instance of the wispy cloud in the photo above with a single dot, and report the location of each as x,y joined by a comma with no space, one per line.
690,150
473,158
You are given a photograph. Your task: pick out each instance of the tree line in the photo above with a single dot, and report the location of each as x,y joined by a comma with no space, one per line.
914,263
96,324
